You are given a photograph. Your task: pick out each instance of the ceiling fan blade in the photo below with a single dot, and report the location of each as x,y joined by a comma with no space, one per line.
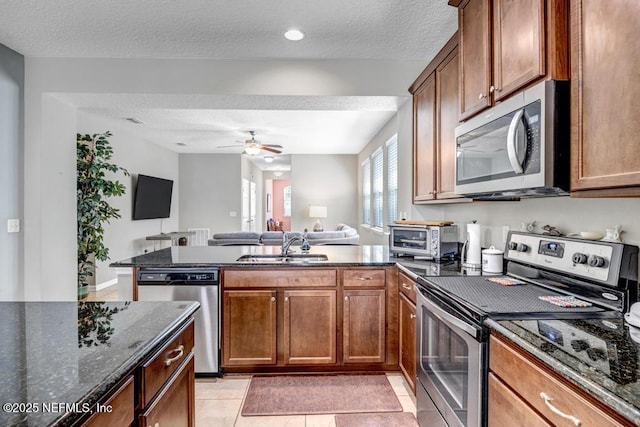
272,145
272,150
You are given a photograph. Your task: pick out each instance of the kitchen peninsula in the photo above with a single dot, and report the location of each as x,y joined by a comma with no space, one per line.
82,363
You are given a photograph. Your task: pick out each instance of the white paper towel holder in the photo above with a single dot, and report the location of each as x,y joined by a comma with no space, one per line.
472,245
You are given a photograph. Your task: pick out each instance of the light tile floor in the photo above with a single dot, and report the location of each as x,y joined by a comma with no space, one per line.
219,401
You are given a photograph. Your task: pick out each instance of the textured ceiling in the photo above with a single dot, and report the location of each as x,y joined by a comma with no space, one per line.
374,29
239,29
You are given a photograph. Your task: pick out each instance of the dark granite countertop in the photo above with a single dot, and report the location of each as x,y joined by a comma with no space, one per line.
613,378
226,256
51,355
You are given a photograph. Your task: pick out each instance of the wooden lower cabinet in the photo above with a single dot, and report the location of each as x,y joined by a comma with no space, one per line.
364,321
249,332
407,334
522,389
175,406
309,327
122,404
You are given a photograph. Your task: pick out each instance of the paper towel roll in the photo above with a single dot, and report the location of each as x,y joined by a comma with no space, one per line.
474,254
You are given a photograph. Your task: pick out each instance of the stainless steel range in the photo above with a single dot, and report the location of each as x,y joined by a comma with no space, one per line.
547,278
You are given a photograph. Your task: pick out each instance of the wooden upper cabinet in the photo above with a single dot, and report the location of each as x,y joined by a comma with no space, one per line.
474,26
310,327
447,120
605,98
435,118
506,45
424,140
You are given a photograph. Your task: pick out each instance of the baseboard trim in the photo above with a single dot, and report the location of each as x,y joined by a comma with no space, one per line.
103,285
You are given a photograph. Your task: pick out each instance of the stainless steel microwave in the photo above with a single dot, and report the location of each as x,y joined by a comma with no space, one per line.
518,148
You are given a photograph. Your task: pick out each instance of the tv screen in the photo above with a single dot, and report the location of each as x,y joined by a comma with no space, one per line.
153,198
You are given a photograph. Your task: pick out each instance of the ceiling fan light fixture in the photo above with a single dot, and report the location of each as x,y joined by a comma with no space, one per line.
252,151
294,35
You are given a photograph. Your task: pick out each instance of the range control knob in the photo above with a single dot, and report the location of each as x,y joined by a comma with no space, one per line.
513,246
579,345
579,258
595,261
522,247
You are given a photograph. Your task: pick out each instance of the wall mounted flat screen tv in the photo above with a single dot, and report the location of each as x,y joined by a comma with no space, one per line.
152,198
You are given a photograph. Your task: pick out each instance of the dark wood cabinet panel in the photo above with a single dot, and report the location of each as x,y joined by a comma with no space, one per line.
176,404
605,98
507,409
474,18
518,44
506,45
364,325
407,333
249,327
424,140
122,403
447,87
310,327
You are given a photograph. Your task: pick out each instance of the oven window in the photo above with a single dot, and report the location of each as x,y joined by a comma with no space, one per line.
445,361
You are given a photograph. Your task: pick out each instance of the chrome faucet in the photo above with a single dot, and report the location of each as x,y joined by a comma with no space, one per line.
286,243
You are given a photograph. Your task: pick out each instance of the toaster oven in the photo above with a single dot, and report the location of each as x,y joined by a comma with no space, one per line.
424,241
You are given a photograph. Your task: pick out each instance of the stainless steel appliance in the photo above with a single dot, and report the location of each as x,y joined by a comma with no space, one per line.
190,284
600,277
519,148
424,241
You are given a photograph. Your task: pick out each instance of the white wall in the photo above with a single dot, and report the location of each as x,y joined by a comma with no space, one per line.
327,180
125,237
11,171
49,221
252,173
210,189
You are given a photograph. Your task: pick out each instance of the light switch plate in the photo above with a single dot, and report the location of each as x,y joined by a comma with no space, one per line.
13,226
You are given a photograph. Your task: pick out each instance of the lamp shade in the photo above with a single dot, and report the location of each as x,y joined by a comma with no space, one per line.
317,211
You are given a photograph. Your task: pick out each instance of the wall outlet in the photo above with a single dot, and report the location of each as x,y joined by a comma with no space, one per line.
233,213
13,226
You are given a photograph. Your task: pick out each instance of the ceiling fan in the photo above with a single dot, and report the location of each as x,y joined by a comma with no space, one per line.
253,146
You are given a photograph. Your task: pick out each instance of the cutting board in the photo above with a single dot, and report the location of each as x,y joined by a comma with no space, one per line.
432,223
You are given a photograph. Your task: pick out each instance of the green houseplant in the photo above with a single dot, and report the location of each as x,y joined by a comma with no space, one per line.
93,209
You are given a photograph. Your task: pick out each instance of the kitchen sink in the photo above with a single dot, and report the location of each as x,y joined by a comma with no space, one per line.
282,259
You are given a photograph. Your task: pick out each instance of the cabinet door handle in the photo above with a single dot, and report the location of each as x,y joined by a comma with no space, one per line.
492,89
407,287
412,316
547,401
286,299
170,360
346,298
481,96
273,299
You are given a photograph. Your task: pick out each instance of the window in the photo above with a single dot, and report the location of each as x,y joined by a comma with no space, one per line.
378,188
392,179
366,192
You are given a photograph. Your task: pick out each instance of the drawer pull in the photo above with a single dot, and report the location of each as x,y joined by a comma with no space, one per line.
407,287
547,401
170,360
365,278
412,316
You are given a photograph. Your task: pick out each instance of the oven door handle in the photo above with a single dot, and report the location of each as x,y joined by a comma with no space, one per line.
445,317
512,143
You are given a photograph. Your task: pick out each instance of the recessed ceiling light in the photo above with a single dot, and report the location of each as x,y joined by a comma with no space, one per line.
268,159
294,35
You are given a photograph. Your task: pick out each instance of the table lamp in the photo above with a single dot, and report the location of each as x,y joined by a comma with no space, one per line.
317,212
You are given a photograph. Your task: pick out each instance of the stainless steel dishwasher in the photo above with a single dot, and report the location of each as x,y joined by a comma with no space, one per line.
190,284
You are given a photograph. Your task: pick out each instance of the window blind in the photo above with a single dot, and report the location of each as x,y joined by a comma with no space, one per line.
392,179
377,171
366,192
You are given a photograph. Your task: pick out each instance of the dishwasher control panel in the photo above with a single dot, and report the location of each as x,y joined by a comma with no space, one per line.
176,276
